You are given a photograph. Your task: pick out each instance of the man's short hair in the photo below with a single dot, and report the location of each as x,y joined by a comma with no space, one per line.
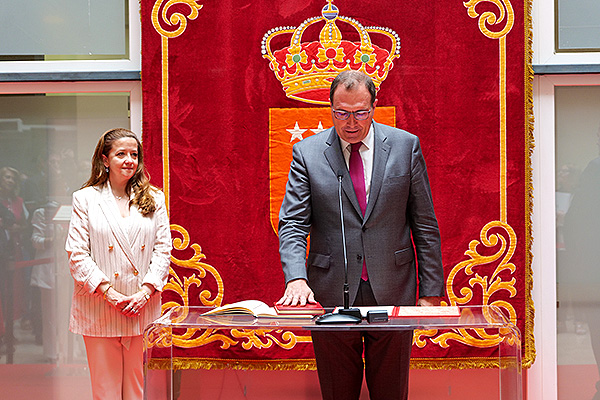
349,79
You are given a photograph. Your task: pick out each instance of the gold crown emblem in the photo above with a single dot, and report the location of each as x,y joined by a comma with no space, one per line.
306,69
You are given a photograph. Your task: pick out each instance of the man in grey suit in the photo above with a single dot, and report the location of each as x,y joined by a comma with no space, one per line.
385,204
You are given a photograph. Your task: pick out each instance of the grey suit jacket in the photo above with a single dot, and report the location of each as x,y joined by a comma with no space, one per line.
399,204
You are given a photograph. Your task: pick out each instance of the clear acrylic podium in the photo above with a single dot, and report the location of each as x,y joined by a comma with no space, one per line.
158,382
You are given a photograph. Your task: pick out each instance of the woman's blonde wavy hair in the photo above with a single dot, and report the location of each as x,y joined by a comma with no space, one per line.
139,183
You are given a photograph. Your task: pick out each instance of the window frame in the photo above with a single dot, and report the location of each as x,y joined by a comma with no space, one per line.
543,378
133,63
134,88
544,40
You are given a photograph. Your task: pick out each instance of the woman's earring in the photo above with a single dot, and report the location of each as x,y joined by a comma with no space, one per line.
106,168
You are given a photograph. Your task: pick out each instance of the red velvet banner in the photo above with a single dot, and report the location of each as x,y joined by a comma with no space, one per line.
228,90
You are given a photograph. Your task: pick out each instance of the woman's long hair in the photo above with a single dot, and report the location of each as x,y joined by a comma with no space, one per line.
139,183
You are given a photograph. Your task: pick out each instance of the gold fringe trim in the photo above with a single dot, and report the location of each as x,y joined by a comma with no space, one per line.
529,353
459,363
310,364
236,364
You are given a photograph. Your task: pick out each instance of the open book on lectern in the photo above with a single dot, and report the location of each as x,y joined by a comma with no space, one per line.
259,309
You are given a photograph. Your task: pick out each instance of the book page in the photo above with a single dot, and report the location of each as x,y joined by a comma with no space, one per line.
255,308
251,307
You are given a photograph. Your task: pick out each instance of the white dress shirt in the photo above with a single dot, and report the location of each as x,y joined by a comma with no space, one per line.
366,154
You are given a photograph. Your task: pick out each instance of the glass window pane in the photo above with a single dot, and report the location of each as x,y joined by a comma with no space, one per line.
63,29
46,144
578,25
578,245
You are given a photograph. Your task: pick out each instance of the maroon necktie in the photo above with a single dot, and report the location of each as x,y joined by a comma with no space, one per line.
357,174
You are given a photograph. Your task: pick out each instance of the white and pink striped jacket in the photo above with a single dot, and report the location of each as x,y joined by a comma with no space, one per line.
104,247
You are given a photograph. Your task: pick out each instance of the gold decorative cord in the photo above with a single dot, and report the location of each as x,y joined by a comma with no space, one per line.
176,23
507,17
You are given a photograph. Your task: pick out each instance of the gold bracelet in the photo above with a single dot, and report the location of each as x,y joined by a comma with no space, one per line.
146,295
106,291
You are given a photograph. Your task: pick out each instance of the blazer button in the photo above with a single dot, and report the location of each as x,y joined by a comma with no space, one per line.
359,257
110,247
143,246
135,272
116,274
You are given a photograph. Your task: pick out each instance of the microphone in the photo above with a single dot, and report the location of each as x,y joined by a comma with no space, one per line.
346,315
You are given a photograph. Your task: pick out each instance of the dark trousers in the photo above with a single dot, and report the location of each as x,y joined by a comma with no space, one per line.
339,356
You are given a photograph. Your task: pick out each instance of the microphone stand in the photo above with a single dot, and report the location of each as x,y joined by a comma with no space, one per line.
345,315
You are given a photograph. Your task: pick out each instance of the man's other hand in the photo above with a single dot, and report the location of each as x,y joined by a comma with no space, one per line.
429,301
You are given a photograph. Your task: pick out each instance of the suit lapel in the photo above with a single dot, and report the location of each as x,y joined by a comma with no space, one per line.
380,157
336,160
110,211
135,228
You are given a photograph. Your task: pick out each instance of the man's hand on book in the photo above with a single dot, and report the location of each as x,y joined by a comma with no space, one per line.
297,292
430,301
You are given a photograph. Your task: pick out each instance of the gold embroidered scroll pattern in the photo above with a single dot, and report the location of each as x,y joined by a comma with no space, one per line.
182,287
190,338
495,235
246,338
489,18
263,338
177,19
249,338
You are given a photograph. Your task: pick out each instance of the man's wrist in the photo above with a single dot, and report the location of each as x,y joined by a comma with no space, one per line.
295,280
430,300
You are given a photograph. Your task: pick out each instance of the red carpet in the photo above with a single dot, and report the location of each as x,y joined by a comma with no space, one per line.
43,381
291,385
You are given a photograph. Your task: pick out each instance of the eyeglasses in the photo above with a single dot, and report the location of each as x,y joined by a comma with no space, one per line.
360,115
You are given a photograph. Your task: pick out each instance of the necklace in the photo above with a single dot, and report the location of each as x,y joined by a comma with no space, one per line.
118,197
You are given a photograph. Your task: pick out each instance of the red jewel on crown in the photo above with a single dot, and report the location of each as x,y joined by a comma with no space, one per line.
307,68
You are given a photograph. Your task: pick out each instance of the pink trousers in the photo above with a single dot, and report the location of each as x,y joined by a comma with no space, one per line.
116,367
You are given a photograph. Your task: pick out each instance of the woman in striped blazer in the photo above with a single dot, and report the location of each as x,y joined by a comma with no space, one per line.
119,246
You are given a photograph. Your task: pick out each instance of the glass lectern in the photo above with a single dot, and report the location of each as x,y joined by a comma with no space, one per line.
158,379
